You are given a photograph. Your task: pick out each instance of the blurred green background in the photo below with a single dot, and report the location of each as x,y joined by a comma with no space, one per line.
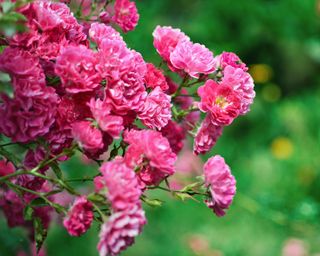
273,151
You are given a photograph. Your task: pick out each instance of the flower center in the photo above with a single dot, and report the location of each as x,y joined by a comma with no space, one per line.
221,102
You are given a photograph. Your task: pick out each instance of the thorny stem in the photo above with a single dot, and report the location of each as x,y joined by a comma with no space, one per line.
179,191
40,195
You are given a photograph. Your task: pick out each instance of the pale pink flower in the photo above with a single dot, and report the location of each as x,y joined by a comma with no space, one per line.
99,32
229,59
76,68
221,184
25,118
107,122
121,183
125,15
165,40
206,137
154,77
79,217
120,230
156,111
6,167
295,247
175,135
88,137
242,83
194,59
151,153
221,101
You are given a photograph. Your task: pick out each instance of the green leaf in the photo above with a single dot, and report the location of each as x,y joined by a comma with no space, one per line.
153,202
9,156
40,233
28,213
183,196
7,6
96,198
38,202
191,186
56,169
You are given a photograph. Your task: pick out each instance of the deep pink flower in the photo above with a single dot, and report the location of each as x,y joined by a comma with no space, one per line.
194,59
206,137
121,183
51,27
126,91
99,32
120,230
172,86
221,183
175,135
242,83
156,111
19,63
114,59
25,118
154,77
230,59
165,40
125,15
221,101
151,152
31,160
76,68
79,217
6,167
107,122
88,137
12,207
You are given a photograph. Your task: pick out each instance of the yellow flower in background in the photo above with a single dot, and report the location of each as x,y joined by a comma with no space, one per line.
282,148
271,92
261,73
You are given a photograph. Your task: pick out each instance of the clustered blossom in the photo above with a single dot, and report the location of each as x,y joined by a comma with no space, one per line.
128,217
79,217
77,86
156,111
151,154
221,183
126,14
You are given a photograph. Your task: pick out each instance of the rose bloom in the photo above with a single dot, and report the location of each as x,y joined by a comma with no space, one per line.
221,184
119,232
242,83
165,40
193,59
125,15
230,59
206,137
6,167
80,217
76,68
154,77
156,111
121,184
151,153
112,124
99,32
89,137
25,118
220,101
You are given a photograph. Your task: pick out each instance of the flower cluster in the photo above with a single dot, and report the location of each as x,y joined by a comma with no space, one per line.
75,86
